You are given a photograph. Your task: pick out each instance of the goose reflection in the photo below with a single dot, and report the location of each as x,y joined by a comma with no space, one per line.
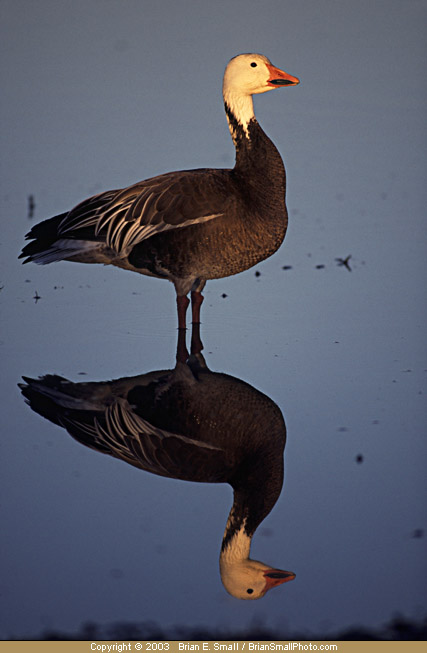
191,424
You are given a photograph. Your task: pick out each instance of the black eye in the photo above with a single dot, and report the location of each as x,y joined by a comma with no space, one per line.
249,591
254,65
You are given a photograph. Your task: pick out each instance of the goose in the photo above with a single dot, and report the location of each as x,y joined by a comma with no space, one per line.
187,226
191,424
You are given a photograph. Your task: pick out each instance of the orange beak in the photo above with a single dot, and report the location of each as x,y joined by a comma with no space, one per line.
280,78
275,577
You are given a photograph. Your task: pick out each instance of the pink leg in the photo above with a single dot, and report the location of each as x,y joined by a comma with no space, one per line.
181,348
182,302
196,302
196,343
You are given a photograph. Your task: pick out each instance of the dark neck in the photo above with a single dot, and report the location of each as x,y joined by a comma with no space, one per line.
256,154
253,499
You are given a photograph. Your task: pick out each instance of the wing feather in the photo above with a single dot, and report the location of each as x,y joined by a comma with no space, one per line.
125,435
123,218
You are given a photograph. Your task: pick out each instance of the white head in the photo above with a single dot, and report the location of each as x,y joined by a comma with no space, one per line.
250,579
248,74
244,578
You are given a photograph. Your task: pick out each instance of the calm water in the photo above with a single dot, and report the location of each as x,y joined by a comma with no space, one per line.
341,351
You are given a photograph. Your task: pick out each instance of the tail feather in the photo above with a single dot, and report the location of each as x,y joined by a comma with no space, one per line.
48,245
43,237
55,399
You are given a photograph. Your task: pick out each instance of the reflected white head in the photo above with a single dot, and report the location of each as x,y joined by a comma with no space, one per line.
244,578
250,579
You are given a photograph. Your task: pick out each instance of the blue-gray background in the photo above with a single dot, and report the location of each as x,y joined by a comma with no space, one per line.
99,94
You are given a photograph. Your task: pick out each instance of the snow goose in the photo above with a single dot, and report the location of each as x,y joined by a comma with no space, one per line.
192,225
189,424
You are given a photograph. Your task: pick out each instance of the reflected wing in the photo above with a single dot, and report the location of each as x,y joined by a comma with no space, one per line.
123,218
98,416
125,435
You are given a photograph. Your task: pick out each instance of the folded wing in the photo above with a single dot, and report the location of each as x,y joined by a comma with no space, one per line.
123,218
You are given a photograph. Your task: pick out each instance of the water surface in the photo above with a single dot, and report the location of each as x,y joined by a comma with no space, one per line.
102,99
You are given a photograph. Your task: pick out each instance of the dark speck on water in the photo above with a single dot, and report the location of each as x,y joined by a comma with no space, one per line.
344,262
359,459
31,206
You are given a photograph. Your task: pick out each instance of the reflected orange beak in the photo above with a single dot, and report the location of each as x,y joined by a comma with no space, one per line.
280,78
275,577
